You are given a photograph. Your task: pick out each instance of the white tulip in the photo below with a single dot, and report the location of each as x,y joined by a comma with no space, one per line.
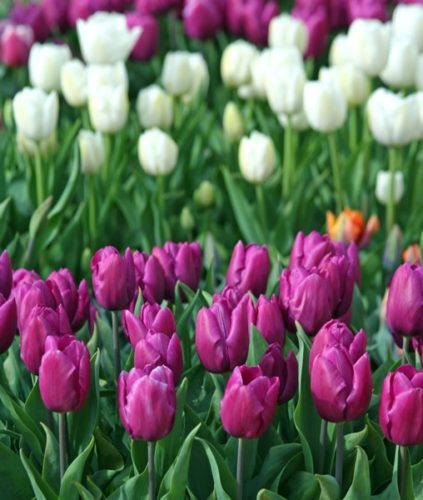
104,38
74,83
154,108
233,123
400,70
285,87
257,157
297,121
368,41
91,149
32,148
235,65
393,120
324,106
45,65
419,72
285,30
112,75
176,73
383,186
200,77
157,152
407,22
108,108
353,83
339,52
36,113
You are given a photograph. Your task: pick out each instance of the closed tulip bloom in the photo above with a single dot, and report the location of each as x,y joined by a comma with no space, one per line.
249,402
256,17
154,108
339,52
350,226
148,41
317,24
45,65
30,14
83,310
285,30
367,9
15,44
74,83
22,277
108,108
234,10
56,14
8,322
230,295
407,23
106,75
235,64
64,374
257,157
142,397
222,336
157,152
353,83
36,113
267,318
105,38
412,254
200,77
205,194
400,69
273,364
400,406
149,277
155,7
176,73
202,19
383,186
29,295
233,123
369,45
6,274
91,150
113,277
341,381
285,89
63,288
325,106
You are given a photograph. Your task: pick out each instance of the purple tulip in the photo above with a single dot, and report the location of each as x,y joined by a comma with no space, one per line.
249,268
338,13
84,305
30,295
249,402
256,18
31,14
23,276
404,313
155,7
148,41
6,274
367,9
273,364
222,336
180,262
267,318
202,18
64,374
341,379
234,16
230,294
79,9
56,14
317,23
8,322
142,397
15,44
149,277
113,278
401,404
157,349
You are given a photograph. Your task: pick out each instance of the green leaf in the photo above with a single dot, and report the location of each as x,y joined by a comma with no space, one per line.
84,493
139,455
360,486
39,216
268,495
108,456
14,480
34,405
303,486
329,488
40,487
134,488
51,471
258,346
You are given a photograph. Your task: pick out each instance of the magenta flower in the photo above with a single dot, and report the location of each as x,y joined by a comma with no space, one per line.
8,322
267,317
15,44
149,277
148,41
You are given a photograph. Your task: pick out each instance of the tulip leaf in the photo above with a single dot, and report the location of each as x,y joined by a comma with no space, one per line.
50,470
136,487
303,486
14,480
108,456
74,474
269,495
40,487
34,405
329,488
360,486
39,216
83,492
258,346
139,454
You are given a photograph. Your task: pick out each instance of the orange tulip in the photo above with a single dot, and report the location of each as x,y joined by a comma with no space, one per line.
412,254
350,226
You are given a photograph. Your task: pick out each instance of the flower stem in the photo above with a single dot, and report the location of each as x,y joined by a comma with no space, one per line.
91,208
335,171
116,350
39,177
322,441
287,160
62,444
405,347
403,464
151,475
353,129
390,207
339,452
261,206
240,469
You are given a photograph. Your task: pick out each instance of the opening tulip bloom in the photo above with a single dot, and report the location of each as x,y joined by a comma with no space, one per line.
64,374
350,227
273,364
147,403
30,295
249,402
267,318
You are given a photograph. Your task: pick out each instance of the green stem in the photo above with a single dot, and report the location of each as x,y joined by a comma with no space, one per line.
322,441
353,129
403,464
405,347
116,350
390,207
261,206
287,160
107,154
151,475
339,452
418,359
39,181
240,469
92,222
335,171
62,444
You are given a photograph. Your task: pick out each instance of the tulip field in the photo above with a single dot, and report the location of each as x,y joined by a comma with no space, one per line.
211,232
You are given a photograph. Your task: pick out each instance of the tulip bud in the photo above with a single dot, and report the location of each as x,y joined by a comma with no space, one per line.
285,30
324,106
400,403
234,16
113,278
63,288
256,17
341,378
74,83
154,108
15,44
176,73
350,226
407,23
108,108
200,77
28,295
157,152
412,254
186,219
64,374
91,150
202,19
285,89
30,14
45,65
235,65
392,250
204,195
231,296
21,276
339,52
83,310
257,157
222,335
148,41
141,397
107,75
8,322
400,69
267,318
353,83
104,38
6,274
233,123
383,186
248,268
273,364
149,277
36,113
56,14
317,24
249,402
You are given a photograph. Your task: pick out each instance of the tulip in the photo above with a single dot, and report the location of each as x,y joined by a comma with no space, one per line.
155,7
249,402
106,75
63,288
297,121
257,157
338,13
45,65
74,83
222,335
15,44
83,310
148,41
341,379
231,296
317,24
6,274
324,106
105,38
339,52
383,185
186,219
266,316
400,406
256,17
154,108
248,268
176,73
233,123
8,322
108,108
202,19
180,262
21,276
157,152
200,77
235,64
234,10
36,113
353,83
400,69
368,42
157,349
367,9
407,23
56,14
285,89
412,254
141,397
91,150
392,256
30,14
205,194
79,9
64,374
285,30
29,295
350,226
149,277
273,364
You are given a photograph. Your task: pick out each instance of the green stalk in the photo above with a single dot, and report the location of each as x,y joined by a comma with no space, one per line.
151,475
353,132
116,350
261,206
339,453
390,207
240,469
322,442
62,445
335,171
92,222
403,463
287,160
405,347
39,181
